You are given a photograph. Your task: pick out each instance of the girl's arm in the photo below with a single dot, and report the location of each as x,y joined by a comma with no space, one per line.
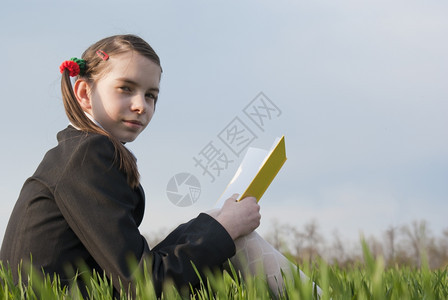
104,212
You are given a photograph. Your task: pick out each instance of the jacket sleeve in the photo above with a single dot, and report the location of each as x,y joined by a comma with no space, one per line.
100,207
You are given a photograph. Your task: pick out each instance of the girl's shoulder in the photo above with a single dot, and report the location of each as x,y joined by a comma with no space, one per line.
73,136
76,151
70,133
74,142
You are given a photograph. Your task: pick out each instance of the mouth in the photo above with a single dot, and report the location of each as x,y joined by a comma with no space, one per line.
133,123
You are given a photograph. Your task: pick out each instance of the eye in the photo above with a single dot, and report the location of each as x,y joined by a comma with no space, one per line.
151,96
125,89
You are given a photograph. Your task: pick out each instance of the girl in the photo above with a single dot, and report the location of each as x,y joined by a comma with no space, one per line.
84,203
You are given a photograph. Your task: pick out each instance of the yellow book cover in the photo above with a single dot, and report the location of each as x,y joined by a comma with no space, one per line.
256,172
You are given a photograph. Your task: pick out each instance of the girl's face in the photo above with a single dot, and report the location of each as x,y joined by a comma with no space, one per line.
123,100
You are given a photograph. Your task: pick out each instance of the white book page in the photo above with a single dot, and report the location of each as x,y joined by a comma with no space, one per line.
247,170
249,167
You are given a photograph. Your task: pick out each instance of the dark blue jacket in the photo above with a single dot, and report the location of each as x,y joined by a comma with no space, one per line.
78,207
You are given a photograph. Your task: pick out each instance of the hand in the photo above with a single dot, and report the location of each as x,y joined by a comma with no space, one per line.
239,217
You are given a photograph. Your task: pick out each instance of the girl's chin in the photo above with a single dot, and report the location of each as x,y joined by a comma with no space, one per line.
128,135
127,139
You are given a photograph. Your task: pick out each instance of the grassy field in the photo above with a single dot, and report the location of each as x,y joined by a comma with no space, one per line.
368,280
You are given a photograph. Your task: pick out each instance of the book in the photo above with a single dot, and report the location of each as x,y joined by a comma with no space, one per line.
256,172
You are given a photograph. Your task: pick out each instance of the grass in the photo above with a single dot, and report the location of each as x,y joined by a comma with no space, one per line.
369,280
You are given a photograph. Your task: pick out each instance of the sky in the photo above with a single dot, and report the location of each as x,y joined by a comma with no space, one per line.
358,88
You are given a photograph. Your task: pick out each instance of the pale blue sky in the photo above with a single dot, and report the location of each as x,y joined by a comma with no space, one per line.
361,85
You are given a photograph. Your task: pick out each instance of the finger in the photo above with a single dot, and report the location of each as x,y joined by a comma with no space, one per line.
235,197
232,199
250,198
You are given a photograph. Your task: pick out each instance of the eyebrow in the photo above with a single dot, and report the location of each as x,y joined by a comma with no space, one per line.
132,82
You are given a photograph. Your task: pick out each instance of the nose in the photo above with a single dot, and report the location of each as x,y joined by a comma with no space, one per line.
139,104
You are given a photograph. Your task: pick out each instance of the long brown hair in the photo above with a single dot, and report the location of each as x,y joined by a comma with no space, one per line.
95,69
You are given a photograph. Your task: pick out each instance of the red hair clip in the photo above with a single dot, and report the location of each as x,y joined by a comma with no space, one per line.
103,55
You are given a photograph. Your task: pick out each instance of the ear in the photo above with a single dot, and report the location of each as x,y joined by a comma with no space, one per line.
82,93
